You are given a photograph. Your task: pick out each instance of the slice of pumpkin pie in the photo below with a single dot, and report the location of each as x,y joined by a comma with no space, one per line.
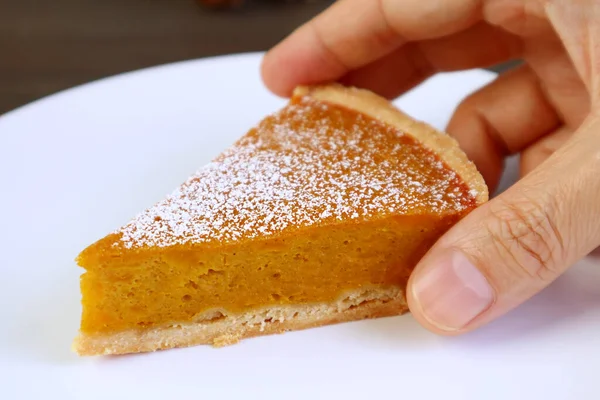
316,216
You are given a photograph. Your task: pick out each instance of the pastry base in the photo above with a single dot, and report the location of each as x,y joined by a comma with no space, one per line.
218,329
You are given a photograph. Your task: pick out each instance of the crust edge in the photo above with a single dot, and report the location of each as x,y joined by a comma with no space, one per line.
375,106
357,305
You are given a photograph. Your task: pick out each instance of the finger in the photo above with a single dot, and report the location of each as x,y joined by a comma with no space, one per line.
393,74
501,119
414,62
354,33
576,24
539,151
512,247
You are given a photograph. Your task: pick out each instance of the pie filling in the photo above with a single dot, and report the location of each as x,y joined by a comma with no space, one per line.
315,201
148,288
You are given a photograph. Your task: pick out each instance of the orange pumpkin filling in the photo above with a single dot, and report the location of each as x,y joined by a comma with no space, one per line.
315,201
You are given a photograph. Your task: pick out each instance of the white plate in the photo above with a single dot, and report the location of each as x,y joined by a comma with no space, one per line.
76,165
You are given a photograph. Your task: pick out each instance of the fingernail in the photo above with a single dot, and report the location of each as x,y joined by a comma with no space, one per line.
451,291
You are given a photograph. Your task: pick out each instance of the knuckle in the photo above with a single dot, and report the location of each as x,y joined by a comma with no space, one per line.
388,35
526,237
469,103
331,51
468,108
474,106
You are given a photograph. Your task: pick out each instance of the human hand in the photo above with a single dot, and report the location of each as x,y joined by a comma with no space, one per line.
548,110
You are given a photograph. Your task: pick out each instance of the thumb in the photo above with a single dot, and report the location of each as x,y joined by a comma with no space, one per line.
512,247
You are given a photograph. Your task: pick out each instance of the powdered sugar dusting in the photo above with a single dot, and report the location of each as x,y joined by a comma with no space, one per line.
308,164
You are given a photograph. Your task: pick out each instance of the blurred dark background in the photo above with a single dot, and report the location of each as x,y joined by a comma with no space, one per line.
47,46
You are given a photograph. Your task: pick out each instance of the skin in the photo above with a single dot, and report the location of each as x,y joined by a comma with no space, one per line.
548,110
